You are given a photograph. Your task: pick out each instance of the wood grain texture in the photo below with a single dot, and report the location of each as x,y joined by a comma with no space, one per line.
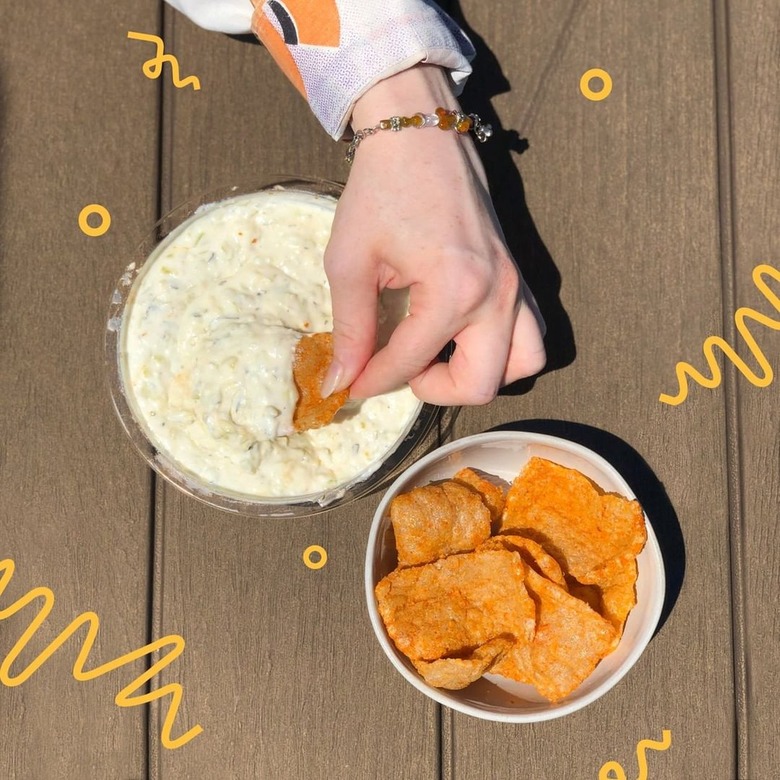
281,666
78,125
623,200
752,98
637,220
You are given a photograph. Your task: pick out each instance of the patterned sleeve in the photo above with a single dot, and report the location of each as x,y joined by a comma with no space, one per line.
335,50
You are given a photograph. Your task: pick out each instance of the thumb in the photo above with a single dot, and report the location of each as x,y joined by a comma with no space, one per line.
353,291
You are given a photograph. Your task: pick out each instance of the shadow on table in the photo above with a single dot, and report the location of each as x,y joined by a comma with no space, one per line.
641,479
506,186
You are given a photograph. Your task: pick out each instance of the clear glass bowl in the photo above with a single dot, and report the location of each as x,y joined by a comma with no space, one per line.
421,436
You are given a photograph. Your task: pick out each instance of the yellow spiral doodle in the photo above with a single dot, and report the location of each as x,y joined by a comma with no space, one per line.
685,370
614,771
129,696
153,68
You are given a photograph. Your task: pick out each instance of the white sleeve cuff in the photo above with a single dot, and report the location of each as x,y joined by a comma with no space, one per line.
373,41
226,16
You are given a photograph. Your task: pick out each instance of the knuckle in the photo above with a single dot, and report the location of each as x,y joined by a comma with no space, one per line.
479,281
532,363
479,396
348,334
472,282
509,286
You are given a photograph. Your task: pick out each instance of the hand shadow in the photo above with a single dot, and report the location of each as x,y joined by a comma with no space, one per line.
506,186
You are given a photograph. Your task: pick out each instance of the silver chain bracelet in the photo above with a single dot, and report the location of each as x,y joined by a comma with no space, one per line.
442,118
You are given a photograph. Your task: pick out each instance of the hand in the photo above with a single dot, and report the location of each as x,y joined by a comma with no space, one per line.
416,213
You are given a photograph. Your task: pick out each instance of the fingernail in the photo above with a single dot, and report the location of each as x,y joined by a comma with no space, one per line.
332,379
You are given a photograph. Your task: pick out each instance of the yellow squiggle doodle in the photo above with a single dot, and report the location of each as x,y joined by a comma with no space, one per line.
614,771
742,314
153,68
128,696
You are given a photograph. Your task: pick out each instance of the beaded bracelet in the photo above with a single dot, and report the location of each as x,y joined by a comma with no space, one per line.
442,118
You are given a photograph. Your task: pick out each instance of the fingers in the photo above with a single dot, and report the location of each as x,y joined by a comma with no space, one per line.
353,289
534,306
527,355
493,350
414,345
496,343
474,373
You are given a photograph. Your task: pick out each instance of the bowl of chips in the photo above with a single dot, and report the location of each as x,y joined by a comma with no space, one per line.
513,576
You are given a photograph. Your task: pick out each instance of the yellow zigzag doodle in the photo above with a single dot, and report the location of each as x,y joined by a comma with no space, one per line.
153,68
711,342
613,771
125,697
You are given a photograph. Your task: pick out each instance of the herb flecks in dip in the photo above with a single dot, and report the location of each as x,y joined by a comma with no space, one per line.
208,344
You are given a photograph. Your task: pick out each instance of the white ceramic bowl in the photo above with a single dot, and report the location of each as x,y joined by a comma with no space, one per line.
504,454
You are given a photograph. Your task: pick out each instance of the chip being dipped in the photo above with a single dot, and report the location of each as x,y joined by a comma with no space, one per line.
313,354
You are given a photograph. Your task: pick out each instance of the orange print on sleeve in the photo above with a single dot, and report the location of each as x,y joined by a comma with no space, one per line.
303,22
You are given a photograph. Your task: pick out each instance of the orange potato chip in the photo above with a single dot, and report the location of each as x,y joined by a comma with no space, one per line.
531,552
436,520
313,354
618,597
590,594
456,604
614,595
614,569
583,528
570,640
456,673
541,603
516,663
492,494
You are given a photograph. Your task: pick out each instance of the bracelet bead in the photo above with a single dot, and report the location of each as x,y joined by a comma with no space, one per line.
442,118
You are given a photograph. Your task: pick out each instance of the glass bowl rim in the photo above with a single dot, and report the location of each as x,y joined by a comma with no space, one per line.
416,436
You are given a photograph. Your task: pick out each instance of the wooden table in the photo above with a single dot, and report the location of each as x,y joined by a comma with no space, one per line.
638,221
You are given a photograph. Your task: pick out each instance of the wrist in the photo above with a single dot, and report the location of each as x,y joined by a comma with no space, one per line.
418,89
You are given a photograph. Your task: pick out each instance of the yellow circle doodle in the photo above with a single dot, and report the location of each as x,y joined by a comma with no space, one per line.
87,212
315,564
596,73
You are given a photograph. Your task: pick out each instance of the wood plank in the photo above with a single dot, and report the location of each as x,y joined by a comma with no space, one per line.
78,126
624,194
753,98
281,666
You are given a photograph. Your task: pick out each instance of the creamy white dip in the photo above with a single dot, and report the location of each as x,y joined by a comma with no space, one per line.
207,348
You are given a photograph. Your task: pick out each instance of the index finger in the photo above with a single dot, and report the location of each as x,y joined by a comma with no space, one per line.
413,346
354,299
